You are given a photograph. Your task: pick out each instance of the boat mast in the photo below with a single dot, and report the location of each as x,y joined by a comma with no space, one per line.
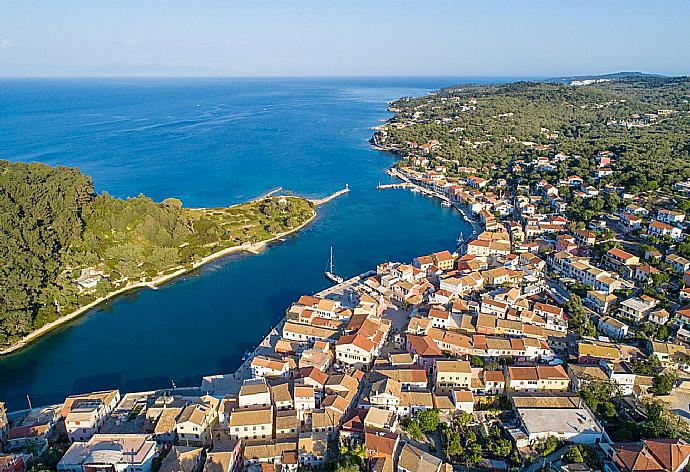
330,265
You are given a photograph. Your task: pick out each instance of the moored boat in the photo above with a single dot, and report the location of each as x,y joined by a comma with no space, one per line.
330,274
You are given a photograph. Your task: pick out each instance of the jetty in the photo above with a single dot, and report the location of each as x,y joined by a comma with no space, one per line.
333,196
270,193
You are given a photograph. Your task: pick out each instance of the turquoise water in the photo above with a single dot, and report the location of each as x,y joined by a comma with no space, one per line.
213,142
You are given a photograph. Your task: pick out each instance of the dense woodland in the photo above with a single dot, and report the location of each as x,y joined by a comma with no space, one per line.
483,126
52,225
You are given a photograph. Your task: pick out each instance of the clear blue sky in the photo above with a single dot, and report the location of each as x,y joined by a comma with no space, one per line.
348,37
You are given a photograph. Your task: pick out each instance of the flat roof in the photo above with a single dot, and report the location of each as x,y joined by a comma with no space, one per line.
570,421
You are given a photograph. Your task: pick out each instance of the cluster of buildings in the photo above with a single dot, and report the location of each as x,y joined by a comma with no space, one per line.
448,331
629,305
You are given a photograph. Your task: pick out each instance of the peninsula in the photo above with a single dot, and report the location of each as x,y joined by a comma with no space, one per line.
67,249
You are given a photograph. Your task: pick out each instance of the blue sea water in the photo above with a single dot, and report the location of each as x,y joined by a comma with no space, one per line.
213,142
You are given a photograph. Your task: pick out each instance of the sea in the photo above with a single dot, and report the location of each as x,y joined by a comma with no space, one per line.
214,142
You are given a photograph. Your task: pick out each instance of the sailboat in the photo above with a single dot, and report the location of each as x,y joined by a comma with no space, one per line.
461,240
330,275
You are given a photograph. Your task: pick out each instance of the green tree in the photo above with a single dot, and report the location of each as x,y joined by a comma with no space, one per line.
661,423
573,455
453,443
471,454
346,466
462,419
428,420
598,395
412,427
549,446
500,448
662,384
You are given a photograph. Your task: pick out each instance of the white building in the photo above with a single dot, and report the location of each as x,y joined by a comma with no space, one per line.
620,373
613,328
111,452
577,425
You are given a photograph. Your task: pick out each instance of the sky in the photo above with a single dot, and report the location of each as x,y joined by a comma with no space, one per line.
530,38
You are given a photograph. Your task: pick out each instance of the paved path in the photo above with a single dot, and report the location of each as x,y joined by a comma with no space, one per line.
551,458
476,226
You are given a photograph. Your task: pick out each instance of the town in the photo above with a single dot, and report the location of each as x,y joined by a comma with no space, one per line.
553,335
535,343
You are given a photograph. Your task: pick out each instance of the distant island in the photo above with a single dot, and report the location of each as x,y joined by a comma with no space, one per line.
65,249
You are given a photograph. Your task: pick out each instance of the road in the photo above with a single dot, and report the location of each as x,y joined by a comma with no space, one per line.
550,459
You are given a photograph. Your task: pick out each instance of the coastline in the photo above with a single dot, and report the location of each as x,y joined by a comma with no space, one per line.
363,160
252,248
267,343
472,221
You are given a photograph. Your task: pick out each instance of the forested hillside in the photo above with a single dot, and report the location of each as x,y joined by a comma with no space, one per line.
644,119
53,226
41,215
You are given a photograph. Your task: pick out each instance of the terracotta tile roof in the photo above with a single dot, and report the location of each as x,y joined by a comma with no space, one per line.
523,373
314,374
545,307
453,366
423,345
251,416
494,376
28,431
552,372
381,444
416,460
357,340
651,455
620,254
436,313
307,300
405,375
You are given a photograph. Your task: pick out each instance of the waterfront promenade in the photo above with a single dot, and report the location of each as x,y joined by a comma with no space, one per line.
231,383
408,183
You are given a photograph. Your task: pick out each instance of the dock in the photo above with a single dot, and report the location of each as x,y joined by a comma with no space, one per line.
333,196
407,183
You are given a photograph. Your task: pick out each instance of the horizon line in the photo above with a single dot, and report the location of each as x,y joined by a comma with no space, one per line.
356,76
